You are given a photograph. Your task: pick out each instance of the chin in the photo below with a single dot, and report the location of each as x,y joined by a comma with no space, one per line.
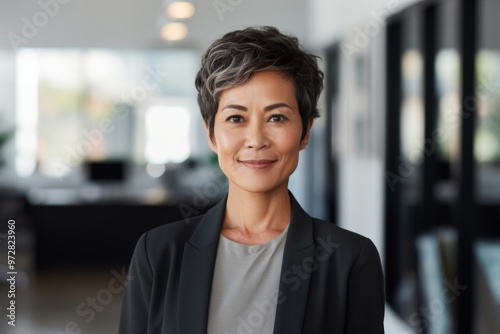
261,186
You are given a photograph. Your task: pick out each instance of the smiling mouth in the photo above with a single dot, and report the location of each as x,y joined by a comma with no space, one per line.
257,164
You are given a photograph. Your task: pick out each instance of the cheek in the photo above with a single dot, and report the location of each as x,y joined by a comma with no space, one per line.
228,142
290,143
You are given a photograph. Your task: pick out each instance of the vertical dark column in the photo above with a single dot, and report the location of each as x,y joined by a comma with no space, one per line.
429,212
465,209
332,79
392,209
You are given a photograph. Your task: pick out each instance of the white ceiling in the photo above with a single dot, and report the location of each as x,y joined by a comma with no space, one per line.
136,24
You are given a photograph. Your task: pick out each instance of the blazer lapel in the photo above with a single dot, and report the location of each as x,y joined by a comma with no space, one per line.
197,270
198,267
295,279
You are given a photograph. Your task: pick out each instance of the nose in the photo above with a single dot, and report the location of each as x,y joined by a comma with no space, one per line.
256,137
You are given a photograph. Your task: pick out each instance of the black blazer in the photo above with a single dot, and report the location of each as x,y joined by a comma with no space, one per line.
331,280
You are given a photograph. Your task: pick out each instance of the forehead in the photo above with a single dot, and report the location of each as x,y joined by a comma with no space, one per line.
268,84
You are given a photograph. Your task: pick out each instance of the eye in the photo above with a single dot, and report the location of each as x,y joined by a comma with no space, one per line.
277,118
234,119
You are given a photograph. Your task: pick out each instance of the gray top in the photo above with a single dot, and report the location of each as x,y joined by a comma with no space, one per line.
245,287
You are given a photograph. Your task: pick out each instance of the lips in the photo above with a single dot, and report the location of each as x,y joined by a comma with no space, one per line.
257,164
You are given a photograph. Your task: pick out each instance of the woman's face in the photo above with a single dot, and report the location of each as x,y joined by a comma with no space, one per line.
257,132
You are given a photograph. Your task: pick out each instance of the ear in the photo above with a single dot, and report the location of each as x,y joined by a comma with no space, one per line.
305,140
210,140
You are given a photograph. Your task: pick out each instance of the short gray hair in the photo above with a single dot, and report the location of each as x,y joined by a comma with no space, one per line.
234,58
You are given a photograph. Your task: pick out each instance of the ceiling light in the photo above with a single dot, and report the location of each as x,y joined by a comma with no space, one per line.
180,10
174,31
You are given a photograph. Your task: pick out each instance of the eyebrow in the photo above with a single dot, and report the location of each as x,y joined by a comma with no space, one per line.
268,108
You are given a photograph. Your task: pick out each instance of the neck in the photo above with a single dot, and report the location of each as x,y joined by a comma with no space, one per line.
255,213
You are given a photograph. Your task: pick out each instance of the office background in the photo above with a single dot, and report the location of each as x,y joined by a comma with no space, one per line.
101,139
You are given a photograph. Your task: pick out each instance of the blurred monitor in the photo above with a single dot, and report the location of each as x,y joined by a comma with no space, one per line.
106,171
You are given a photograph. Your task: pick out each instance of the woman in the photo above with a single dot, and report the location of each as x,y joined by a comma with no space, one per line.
256,262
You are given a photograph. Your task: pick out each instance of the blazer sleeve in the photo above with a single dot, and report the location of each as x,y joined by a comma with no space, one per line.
137,295
366,297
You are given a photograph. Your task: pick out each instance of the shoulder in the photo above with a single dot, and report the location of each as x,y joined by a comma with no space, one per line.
347,244
322,228
177,231
167,240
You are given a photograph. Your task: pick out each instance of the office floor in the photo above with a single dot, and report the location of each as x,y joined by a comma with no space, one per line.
61,302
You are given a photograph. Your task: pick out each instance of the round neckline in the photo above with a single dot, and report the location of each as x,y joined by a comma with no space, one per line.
253,249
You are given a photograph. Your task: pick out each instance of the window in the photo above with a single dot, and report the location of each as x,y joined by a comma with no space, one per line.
487,141
412,109
75,105
167,134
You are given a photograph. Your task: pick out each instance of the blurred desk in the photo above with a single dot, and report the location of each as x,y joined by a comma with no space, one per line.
99,233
